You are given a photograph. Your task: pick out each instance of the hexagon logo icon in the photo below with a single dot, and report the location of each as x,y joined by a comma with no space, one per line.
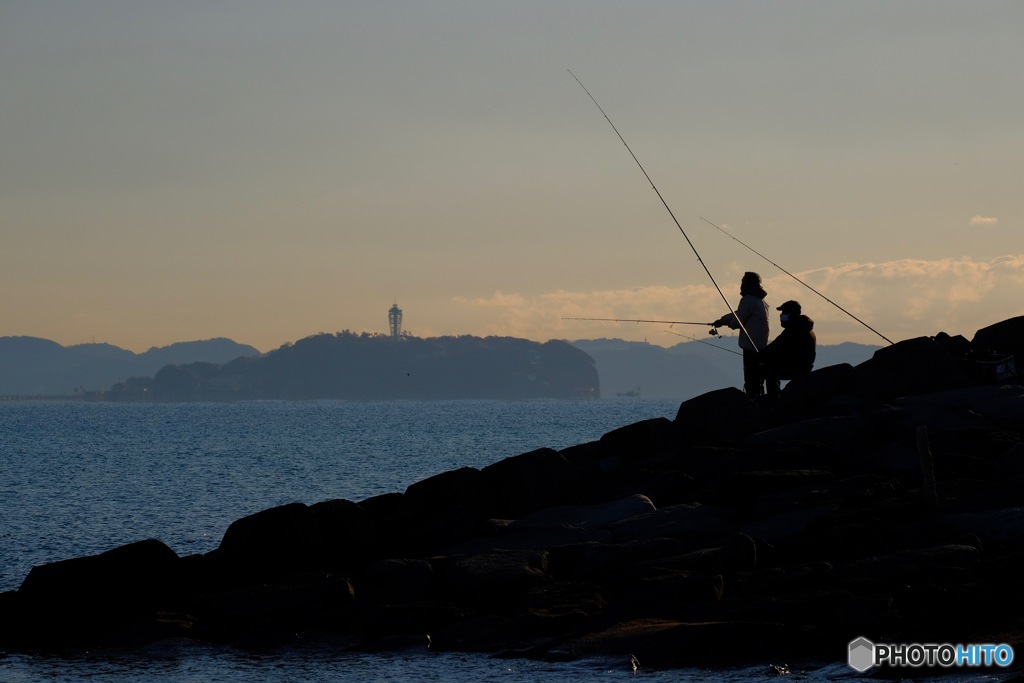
862,654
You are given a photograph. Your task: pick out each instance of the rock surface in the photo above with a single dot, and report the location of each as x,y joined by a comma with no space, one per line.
883,500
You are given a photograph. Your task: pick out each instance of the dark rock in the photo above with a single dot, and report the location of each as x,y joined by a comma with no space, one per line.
842,436
609,564
530,538
671,595
464,486
716,417
784,526
275,542
1001,338
640,441
349,535
592,516
493,578
526,483
916,366
265,613
739,554
749,486
398,581
814,391
130,573
405,626
898,567
89,598
559,606
693,524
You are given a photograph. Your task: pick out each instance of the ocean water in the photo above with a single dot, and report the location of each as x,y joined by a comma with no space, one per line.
81,478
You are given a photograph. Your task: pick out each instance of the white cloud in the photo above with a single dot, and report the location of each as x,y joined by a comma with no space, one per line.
900,299
984,220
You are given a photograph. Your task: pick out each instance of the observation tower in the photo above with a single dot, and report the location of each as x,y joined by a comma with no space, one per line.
395,321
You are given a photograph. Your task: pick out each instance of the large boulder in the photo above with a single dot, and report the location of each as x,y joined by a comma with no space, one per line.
526,483
86,598
349,535
491,579
643,440
917,365
813,391
717,416
991,345
273,543
464,486
592,516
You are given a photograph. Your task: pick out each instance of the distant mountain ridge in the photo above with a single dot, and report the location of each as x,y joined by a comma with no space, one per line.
687,369
31,366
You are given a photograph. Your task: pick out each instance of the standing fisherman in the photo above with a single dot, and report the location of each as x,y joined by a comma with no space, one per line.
751,316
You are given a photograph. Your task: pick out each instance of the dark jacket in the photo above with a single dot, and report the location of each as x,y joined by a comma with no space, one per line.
791,353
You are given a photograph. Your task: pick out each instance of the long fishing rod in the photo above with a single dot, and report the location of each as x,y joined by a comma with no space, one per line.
667,207
724,231
634,320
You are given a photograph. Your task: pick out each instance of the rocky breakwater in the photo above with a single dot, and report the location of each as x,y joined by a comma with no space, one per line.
883,500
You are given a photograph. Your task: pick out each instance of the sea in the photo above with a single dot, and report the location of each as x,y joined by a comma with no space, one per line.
79,478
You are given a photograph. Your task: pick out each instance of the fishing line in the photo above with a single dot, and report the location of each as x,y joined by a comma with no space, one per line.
633,320
701,341
667,207
724,231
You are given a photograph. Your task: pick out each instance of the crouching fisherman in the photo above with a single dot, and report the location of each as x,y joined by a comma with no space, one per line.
792,353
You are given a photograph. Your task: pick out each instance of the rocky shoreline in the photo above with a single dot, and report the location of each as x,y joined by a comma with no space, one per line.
883,500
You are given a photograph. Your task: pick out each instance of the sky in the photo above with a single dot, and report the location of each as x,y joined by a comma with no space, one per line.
264,171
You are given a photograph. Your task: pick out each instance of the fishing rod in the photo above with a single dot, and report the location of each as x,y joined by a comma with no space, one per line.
667,207
634,320
724,231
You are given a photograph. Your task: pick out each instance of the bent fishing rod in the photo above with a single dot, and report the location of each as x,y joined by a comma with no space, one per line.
741,242
667,207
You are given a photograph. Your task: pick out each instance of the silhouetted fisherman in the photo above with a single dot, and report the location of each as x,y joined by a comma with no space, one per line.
750,316
792,353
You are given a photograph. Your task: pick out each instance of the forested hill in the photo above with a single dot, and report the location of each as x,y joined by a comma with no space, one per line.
371,367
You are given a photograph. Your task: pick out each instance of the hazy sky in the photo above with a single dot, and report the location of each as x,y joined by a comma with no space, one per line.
264,171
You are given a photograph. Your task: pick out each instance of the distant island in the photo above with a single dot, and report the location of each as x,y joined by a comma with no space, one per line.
366,366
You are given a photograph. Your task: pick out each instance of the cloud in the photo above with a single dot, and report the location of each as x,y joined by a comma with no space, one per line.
498,300
897,300
984,220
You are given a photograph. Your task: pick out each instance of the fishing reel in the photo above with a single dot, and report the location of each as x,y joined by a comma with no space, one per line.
713,331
